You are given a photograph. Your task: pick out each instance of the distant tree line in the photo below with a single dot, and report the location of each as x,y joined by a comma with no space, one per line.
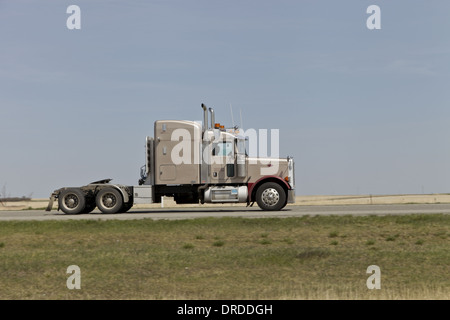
6,197
11,199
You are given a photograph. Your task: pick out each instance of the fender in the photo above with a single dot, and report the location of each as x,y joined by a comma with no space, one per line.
118,187
252,185
121,188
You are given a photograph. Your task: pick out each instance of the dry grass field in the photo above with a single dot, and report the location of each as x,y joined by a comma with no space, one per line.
311,257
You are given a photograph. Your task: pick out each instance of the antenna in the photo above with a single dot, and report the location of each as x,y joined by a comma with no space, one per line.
240,113
231,110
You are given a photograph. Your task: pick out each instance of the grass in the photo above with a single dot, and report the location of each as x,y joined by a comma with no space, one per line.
320,257
333,234
265,241
218,243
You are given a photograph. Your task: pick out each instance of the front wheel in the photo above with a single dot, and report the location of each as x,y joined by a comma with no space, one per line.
109,200
271,196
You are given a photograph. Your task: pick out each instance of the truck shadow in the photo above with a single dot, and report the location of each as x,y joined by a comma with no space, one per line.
212,210
169,211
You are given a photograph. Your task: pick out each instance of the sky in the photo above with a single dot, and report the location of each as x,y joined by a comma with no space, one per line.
361,111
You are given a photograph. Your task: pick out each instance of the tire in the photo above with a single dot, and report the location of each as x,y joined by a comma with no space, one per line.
271,196
72,201
109,200
126,207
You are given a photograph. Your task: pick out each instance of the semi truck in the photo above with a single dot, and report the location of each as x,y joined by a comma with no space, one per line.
195,163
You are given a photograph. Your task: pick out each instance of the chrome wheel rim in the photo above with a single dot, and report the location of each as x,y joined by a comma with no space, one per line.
71,201
109,200
270,197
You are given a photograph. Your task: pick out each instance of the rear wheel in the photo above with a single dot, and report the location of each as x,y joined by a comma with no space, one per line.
271,196
109,200
72,201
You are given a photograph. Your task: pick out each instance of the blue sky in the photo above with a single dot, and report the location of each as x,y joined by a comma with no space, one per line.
362,111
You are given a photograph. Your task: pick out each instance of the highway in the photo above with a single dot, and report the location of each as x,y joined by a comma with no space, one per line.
178,213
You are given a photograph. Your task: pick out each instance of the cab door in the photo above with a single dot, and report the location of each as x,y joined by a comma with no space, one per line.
223,162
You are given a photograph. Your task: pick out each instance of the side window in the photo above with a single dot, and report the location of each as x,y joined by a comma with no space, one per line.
228,148
223,149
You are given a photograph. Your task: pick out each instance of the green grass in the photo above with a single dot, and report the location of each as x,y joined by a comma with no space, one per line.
321,257
265,241
333,234
218,243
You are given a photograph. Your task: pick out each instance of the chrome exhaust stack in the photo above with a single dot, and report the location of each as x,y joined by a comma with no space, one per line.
204,167
213,119
205,118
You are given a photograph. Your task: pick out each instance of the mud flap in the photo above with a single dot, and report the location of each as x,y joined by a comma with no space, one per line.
50,203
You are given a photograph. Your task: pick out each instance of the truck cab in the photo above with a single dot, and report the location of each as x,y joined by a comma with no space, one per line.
197,163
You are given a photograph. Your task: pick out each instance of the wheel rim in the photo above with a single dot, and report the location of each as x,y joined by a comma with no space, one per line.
270,197
109,200
71,201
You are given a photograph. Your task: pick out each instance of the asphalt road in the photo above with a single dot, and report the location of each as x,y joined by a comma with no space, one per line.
250,212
